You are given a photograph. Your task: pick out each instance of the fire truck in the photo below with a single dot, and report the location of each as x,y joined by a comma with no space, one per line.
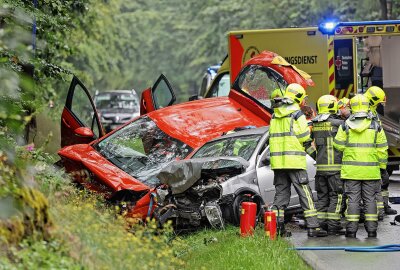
343,58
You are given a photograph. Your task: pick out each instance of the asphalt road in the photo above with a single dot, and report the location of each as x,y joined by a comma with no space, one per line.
387,234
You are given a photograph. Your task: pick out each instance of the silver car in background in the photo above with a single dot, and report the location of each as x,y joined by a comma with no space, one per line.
116,107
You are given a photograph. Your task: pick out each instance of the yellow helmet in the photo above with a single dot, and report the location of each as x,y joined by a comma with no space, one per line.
375,95
359,103
295,92
276,93
343,102
327,104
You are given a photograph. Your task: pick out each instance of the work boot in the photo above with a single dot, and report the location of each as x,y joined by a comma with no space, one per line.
336,232
316,232
281,231
372,234
389,210
350,234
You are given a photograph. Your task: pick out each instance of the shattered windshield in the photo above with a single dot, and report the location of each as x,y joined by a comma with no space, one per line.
141,148
242,146
116,101
259,82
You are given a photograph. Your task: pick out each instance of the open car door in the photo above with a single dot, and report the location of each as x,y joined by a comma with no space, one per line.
159,96
80,123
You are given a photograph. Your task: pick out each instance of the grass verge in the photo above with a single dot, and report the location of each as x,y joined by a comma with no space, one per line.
210,249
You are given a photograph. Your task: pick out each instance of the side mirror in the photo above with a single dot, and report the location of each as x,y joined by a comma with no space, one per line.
84,132
195,97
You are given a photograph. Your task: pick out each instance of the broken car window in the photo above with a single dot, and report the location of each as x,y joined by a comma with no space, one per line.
243,146
141,148
259,83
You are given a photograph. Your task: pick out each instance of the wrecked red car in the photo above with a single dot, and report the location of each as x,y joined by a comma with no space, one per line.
123,164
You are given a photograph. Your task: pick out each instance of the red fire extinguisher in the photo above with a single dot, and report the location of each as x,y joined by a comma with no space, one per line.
248,218
270,224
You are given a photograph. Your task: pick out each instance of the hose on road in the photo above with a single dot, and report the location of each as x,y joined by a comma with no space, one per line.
384,248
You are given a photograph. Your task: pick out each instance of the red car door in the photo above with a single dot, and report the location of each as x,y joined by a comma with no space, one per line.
159,96
80,123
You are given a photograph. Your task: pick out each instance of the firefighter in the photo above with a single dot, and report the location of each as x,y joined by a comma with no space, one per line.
328,184
377,96
344,108
277,93
364,146
289,135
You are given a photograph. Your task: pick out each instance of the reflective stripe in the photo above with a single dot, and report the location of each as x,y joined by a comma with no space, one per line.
361,145
281,134
360,163
322,215
289,153
310,150
303,134
339,204
311,214
328,167
380,205
381,144
353,219
382,160
333,216
279,213
362,103
339,142
309,199
328,146
371,217
332,150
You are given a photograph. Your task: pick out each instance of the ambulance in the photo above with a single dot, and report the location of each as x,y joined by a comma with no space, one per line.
343,58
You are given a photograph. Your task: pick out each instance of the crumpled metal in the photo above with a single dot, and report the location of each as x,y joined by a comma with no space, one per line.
182,174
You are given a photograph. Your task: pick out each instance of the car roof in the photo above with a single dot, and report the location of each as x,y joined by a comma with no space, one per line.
245,132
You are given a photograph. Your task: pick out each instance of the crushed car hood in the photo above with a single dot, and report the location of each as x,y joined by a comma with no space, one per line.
107,172
197,122
181,175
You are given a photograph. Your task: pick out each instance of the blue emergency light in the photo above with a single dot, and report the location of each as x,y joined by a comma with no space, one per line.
327,28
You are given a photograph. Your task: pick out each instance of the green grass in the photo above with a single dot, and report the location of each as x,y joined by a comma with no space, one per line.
210,249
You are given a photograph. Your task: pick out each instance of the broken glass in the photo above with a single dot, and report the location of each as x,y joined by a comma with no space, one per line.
141,149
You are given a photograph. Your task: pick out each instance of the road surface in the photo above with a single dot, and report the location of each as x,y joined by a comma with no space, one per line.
387,234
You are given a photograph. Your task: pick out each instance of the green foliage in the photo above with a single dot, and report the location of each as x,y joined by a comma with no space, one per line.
211,249
31,254
86,232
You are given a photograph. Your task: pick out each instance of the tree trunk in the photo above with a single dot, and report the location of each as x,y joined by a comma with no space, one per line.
384,10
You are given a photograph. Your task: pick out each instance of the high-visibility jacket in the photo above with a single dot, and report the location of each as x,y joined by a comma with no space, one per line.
364,146
288,131
325,128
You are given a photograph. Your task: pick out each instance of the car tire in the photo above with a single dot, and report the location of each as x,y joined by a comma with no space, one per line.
236,208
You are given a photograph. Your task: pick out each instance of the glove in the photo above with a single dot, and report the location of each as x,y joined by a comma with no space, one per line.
384,177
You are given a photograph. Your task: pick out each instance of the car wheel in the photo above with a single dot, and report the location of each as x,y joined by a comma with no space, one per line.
237,207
